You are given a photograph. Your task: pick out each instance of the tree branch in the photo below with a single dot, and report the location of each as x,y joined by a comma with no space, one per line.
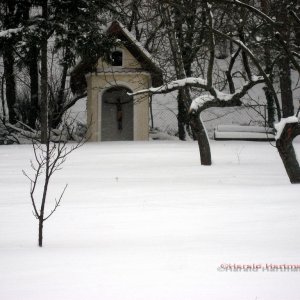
288,51
221,99
71,103
296,18
57,203
228,72
257,64
211,46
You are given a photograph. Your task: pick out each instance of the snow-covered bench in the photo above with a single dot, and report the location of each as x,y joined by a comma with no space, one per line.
241,132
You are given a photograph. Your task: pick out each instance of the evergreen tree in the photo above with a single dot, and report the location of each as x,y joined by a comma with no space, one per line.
76,27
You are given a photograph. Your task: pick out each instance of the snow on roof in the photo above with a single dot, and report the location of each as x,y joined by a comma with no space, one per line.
132,39
115,28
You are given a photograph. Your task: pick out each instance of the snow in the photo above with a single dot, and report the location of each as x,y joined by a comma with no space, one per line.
188,80
158,135
143,220
280,125
223,96
256,78
199,101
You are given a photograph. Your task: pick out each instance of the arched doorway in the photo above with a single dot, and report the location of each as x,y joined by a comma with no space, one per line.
117,115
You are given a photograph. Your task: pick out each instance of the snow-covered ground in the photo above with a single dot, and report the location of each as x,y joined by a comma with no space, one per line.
144,221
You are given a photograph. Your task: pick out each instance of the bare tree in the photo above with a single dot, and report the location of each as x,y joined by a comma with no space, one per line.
48,159
289,127
211,96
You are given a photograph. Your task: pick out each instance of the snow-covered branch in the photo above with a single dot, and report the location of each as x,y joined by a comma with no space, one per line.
217,98
173,86
280,125
214,98
9,32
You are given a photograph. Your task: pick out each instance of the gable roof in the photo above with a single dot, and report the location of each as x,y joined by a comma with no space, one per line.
116,29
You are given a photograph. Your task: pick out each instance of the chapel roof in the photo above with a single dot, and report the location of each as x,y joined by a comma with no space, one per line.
147,62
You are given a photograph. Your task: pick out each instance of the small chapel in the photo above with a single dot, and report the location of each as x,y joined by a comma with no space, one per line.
112,114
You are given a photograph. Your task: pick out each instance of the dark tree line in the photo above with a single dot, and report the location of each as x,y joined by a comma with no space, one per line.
29,31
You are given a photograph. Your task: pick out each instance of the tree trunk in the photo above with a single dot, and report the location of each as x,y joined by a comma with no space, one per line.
3,100
175,38
287,153
284,63
34,86
270,107
180,72
58,106
268,92
297,35
41,225
44,80
202,138
286,88
265,7
151,113
181,117
9,61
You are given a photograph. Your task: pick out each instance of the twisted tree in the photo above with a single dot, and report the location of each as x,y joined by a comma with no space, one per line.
212,97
